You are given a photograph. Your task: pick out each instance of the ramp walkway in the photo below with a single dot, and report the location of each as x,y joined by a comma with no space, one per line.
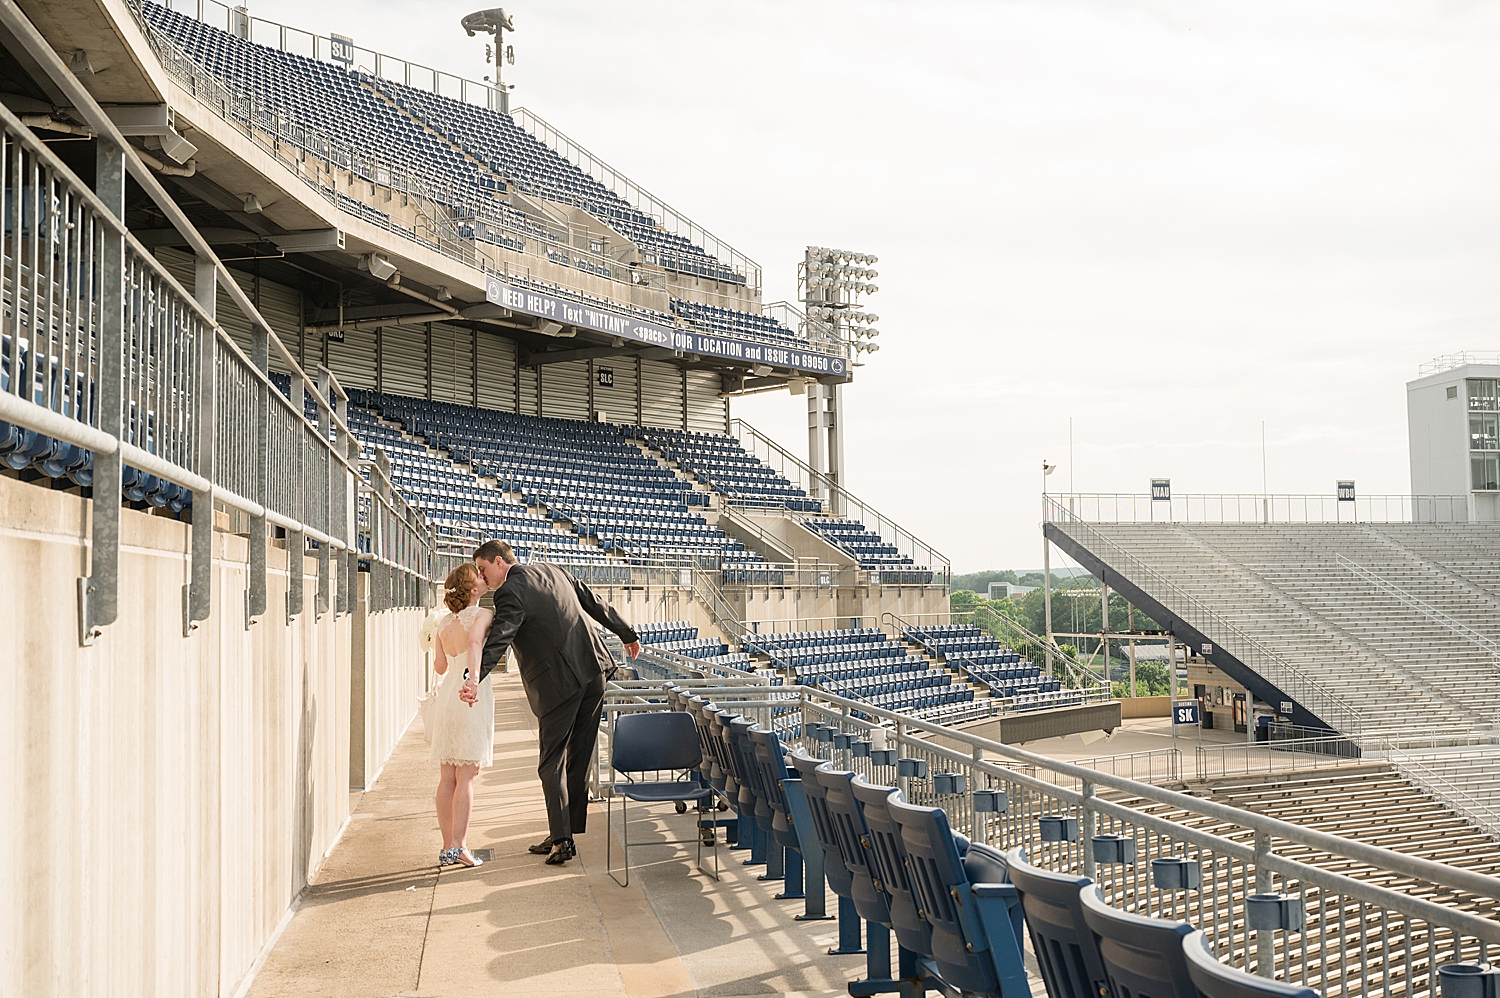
382,921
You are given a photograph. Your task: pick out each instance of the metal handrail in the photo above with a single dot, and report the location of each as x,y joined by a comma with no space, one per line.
1108,507
810,481
1483,641
904,730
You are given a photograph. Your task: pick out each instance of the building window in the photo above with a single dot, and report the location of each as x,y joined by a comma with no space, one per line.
1486,471
1482,395
1484,432
1453,391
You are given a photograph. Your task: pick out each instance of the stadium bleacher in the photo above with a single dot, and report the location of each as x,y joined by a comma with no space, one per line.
477,151
681,637
985,660
588,476
871,550
722,463
863,664
1380,634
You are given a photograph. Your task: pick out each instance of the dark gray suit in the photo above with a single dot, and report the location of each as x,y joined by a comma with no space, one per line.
548,615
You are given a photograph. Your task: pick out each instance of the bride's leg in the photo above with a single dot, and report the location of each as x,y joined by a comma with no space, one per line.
463,802
447,783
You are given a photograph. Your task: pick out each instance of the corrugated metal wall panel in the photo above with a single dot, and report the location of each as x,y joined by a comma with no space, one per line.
661,394
497,372
352,360
565,390
618,402
528,391
281,306
452,364
707,411
403,360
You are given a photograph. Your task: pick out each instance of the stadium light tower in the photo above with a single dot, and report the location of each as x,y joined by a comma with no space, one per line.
496,22
830,284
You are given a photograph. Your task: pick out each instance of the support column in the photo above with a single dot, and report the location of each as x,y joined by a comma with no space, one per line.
98,592
255,597
1047,596
199,589
825,443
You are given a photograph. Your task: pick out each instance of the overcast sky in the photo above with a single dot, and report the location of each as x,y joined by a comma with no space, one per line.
1167,221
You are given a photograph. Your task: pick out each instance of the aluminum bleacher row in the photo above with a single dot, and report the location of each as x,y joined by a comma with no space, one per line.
987,661
718,461
863,664
746,325
872,552
957,909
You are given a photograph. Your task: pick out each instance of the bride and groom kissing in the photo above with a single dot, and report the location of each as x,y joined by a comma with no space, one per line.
547,616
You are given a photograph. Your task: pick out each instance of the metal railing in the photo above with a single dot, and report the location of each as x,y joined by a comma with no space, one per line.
800,474
122,379
1130,508
1081,685
642,200
1355,936
1483,642
1451,361
1328,706
1275,755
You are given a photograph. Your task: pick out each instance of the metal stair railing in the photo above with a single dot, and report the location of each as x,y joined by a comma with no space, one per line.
1483,642
1317,698
1085,682
1484,815
848,505
718,605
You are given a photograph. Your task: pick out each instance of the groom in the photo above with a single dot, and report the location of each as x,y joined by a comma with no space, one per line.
546,614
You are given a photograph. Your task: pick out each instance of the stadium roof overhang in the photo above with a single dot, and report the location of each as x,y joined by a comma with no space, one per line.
254,208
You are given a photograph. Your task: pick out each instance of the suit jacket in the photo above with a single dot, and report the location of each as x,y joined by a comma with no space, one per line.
548,616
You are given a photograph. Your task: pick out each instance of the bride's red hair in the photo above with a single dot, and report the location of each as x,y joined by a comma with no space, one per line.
460,586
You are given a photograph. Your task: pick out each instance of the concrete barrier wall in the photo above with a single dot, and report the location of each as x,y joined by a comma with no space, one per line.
166,797
1146,706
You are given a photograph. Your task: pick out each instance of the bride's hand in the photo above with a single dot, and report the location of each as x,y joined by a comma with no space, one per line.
469,692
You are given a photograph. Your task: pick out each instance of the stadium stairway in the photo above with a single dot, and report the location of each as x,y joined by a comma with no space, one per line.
1233,571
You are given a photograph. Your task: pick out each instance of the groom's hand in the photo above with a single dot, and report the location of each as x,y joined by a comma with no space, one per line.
633,649
469,692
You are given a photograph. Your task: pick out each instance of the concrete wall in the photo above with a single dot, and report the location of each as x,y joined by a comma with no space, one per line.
1146,707
167,797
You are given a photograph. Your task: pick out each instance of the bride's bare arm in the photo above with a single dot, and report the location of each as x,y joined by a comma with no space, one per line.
439,658
477,634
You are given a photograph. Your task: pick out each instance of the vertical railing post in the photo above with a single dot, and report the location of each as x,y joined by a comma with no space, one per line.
323,497
98,593
1265,939
296,540
1090,828
260,457
199,591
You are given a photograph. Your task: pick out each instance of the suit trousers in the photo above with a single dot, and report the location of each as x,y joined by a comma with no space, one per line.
568,736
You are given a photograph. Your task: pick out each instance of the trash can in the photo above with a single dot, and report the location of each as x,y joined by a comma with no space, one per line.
1263,728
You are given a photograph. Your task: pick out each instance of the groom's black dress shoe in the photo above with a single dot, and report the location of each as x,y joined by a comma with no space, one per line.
542,848
562,851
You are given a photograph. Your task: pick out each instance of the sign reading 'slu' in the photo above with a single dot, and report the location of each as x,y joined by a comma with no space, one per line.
628,327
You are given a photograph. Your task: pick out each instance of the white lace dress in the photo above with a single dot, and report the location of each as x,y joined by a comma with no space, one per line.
462,735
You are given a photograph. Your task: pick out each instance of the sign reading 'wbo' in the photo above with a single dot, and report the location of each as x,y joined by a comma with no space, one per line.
628,327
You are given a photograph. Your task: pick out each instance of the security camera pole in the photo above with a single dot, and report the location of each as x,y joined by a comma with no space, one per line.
496,22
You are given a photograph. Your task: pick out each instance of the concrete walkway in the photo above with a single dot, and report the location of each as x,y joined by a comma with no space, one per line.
382,921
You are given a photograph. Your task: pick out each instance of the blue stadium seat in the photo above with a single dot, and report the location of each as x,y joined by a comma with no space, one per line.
1214,979
1143,957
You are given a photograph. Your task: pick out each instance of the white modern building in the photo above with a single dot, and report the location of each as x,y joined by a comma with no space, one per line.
1453,428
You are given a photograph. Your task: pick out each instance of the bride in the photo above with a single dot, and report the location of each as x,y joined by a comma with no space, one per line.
463,736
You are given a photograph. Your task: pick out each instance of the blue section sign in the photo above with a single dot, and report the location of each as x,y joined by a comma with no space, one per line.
628,327
1185,712
341,49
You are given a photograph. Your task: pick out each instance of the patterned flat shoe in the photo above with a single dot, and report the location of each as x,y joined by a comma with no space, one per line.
463,857
447,857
